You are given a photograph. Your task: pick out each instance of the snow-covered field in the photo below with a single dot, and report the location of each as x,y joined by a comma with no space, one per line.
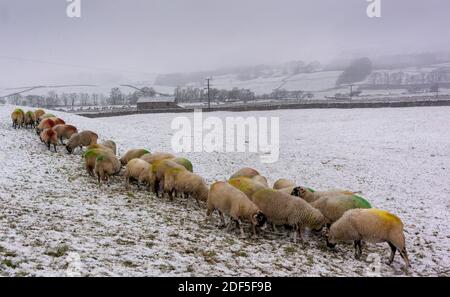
55,220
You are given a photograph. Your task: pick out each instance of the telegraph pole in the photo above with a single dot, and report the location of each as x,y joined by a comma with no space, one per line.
208,80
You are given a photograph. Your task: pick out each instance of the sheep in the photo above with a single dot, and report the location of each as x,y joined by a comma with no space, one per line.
284,209
90,156
44,124
104,145
247,185
30,119
64,131
334,206
46,116
231,201
310,195
182,181
283,183
37,114
48,136
135,168
131,154
155,177
17,117
58,121
157,156
184,162
84,138
245,172
106,164
372,225
111,145
261,179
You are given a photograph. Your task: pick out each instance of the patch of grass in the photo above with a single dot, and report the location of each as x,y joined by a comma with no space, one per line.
9,263
241,254
166,268
190,268
209,257
289,250
125,242
130,194
57,252
149,244
129,264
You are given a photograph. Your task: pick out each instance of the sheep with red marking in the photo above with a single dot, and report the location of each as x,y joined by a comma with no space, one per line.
49,136
64,131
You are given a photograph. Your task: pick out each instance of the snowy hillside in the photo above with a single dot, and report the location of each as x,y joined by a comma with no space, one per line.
53,212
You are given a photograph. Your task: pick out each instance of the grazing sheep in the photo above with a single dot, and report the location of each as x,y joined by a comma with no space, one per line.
245,172
106,164
185,163
334,206
37,114
372,225
17,117
46,116
131,154
104,146
44,124
48,136
135,168
64,131
111,145
90,156
29,119
247,185
182,181
261,179
284,209
157,171
283,183
229,200
157,156
310,195
84,138
58,121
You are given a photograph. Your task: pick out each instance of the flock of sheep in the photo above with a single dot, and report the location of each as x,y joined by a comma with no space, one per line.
245,197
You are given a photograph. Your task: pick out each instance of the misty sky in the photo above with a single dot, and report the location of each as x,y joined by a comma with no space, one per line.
162,36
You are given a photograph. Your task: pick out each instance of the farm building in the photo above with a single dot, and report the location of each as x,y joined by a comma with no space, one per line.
156,102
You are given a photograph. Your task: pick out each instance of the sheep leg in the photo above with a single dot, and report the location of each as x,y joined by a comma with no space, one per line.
222,217
241,227
54,145
294,233
61,139
393,250
274,228
254,230
48,145
358,248
404,255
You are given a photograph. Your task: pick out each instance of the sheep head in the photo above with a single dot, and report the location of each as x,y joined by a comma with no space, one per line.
259,219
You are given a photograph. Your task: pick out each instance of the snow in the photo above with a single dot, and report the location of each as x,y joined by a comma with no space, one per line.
53,211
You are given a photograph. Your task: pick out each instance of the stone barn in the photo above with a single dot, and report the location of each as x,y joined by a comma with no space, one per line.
157,102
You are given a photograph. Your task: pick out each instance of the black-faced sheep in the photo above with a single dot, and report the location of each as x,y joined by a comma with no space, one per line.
284,209
372,225
131,154
229,200
310,195
64,131
84,138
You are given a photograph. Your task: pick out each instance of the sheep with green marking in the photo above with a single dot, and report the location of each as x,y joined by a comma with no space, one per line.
245,172
18,118
283,183
156,156
334,206
90,156
247,185
180,181
371,225
311,195
106,165
29,119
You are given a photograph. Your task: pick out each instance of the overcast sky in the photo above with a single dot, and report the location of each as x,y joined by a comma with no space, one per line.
161,36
